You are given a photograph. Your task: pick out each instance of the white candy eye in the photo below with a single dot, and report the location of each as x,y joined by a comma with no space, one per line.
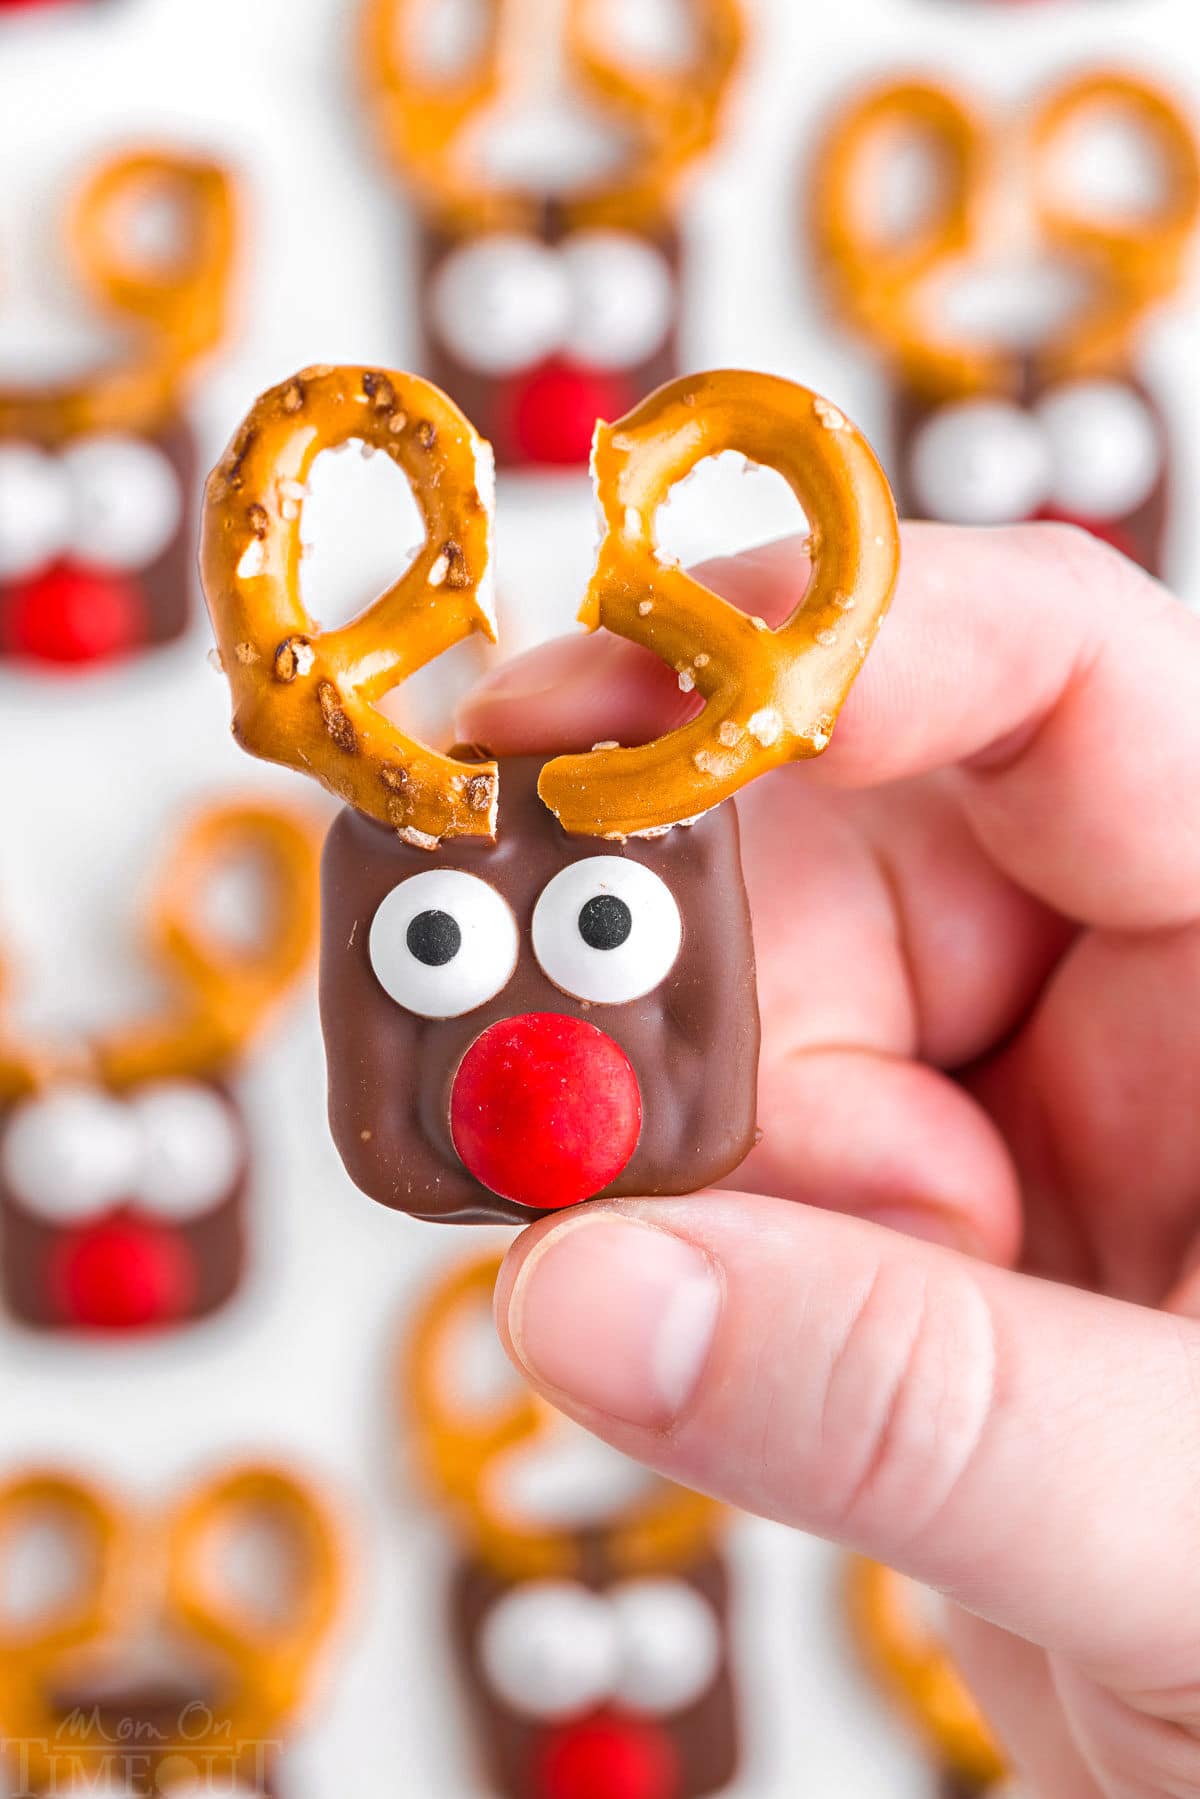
1105,448
70,1154
191,1151
670,1644
606,929
622,298
549,1649
443,942
127,501
983,462
35,510
501,303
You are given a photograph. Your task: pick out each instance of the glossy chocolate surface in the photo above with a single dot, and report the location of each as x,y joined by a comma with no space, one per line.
693,1041
704,1735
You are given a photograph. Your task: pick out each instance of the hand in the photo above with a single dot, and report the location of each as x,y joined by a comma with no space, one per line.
978,930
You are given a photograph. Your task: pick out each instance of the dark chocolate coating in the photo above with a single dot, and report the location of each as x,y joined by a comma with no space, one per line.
704,1735
487,399
1142,533
693,1041
165,584
214,1241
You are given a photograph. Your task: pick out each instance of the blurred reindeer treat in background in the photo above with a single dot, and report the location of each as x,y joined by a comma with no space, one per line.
125,1160
534,987
1010,296
98,471
174,1652
892,1621
589,1602
548,164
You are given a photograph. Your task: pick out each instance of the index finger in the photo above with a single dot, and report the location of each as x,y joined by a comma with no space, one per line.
1060,681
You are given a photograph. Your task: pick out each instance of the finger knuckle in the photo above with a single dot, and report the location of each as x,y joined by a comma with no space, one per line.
907,1398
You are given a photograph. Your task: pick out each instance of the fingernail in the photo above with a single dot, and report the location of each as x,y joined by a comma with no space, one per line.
617,1316
930,1224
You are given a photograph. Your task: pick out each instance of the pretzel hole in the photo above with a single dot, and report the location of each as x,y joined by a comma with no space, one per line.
646,34
254,1564
238,902
553,141
1016,303
474,1377
152,228
445,40
902,185
726,504
1108,166
563,1479
49,1559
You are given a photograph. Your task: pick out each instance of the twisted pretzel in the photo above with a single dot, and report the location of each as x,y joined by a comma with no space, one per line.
771,696
274,1659
307,697
459,1451
917,1671
883,285
222,990
175,306
270,1665
670,117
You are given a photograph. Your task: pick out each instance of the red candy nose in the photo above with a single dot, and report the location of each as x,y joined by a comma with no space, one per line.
555,411
607,1758
545,1109
72,614
1112,534
121,1275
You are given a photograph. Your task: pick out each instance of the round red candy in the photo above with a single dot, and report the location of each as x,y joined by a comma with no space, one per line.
545,1109
607,1758
71,614
555,411
121,1275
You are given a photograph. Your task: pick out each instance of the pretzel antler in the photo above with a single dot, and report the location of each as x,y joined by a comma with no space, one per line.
771,696
917,1671
670,117
461,1450
306,697
174,303
222,990
274,1657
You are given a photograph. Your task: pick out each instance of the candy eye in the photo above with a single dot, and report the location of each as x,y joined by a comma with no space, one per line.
622,298
501,303
35,510
127,501
549,1649
70,1154
191,1151
980,463
1105,448
606,929
670,1644
443,942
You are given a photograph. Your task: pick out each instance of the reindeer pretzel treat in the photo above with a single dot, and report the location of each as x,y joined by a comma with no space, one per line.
97,472
88,1698
912,1666
589,1599
1035,408
545,307
125,1159
526,972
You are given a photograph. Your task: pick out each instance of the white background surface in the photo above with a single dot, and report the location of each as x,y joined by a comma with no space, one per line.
95,771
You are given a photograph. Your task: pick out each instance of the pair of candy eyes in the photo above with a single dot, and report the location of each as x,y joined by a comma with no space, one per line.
172,1149
1091,450
504,302
553,1650
109,501
605,929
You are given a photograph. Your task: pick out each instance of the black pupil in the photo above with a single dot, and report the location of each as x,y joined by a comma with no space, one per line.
605,922
434,938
